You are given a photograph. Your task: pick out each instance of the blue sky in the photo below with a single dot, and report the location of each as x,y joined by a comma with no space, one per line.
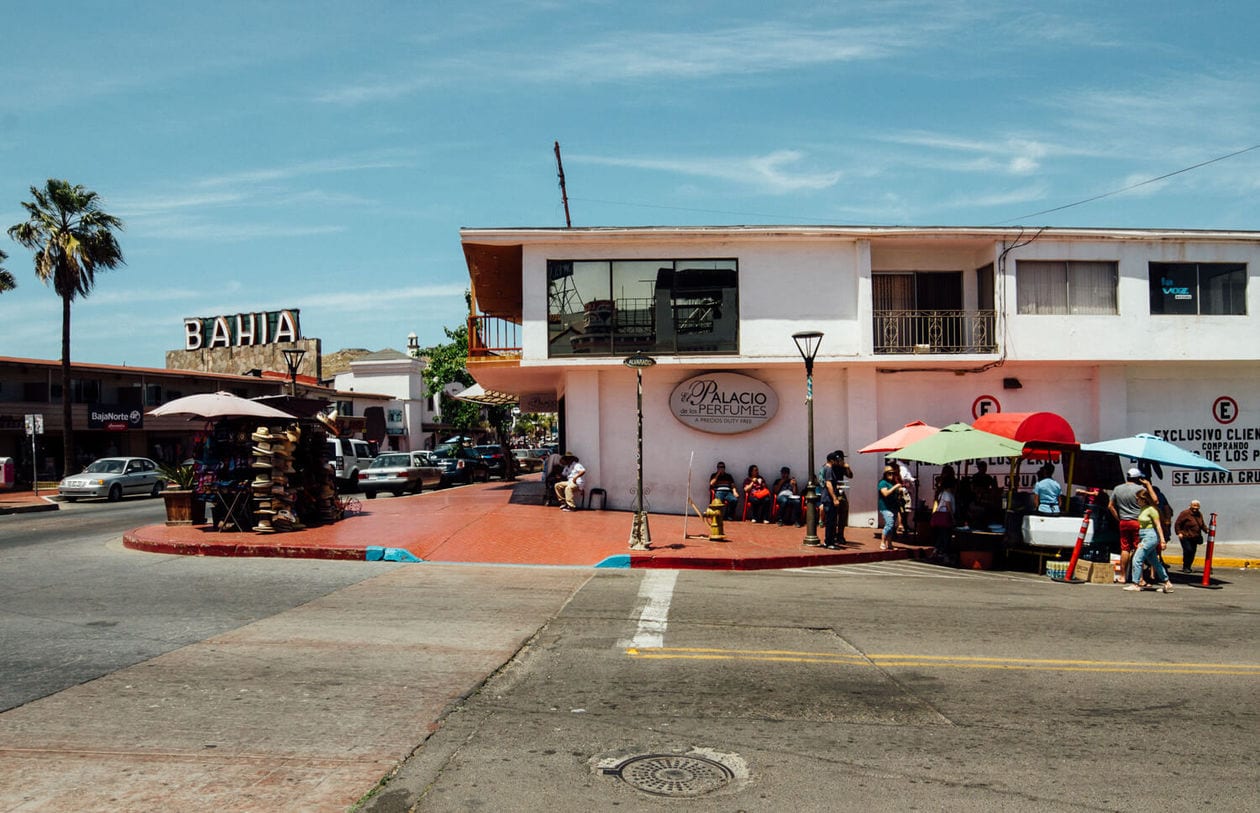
324,155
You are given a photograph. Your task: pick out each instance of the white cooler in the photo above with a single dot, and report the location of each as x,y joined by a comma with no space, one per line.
1054,532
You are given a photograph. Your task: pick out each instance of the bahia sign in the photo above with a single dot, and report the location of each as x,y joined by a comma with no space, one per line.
241,330
723,403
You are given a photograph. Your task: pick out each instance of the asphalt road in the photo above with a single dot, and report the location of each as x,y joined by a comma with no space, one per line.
76,605
896,686
266,684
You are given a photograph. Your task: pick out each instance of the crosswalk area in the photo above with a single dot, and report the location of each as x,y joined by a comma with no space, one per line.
912,569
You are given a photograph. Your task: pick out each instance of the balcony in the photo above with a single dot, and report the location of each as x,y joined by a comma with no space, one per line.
490,337
935,332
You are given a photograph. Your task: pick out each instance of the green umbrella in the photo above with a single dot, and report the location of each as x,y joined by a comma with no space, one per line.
958,441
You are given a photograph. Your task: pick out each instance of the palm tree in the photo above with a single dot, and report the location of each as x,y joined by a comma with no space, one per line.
7,282
71,238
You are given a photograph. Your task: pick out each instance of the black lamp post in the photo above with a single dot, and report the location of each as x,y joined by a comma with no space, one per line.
807,343
293,359
640,535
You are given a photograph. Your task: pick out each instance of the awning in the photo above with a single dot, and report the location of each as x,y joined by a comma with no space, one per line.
1040,429
480,395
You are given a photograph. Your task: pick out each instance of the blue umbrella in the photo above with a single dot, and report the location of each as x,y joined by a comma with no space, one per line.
1154,450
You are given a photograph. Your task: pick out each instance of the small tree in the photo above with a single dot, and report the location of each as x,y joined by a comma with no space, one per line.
72,238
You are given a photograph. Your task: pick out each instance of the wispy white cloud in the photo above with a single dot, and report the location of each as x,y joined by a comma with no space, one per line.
771,47
771,173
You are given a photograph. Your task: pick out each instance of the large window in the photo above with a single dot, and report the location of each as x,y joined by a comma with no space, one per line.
615,307
1199,289
1043,287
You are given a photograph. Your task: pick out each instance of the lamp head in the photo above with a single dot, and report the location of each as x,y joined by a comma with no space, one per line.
807,342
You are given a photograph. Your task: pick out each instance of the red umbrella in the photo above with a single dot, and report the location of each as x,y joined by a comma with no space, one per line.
903,437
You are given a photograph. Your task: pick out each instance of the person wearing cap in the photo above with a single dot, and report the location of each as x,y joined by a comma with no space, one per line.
722,486
1190,528
835,499
1125,506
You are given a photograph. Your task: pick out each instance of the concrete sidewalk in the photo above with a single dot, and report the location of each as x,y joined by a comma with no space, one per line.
506,523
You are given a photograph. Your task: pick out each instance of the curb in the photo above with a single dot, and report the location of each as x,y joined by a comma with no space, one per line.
279,550
28,508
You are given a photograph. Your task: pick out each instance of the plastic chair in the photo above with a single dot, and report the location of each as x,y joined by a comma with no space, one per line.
594,492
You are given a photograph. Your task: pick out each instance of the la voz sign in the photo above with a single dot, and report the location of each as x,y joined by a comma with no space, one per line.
241,329
723,403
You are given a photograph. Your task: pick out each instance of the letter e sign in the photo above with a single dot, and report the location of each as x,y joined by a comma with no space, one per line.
984,405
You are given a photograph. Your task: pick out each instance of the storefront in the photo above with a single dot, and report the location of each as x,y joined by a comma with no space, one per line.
940,325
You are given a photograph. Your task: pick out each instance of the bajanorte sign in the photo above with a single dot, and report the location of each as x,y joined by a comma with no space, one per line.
114,418
723,403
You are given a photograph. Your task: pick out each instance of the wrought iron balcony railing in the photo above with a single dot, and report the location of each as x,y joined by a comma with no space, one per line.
490,337
935,332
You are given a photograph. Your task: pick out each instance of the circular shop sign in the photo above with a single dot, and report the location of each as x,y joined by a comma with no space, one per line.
723,403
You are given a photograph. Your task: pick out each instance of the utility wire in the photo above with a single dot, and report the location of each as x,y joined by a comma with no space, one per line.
1132,186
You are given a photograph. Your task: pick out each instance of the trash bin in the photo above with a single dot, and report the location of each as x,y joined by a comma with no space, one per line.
8,473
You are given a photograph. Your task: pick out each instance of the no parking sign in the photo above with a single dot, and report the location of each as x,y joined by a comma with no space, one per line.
983,405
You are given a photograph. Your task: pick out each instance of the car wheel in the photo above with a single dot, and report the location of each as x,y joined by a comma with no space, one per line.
157,489
398,492
371,495
483,476
115,493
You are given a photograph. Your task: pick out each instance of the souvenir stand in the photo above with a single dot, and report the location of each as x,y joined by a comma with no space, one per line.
266,475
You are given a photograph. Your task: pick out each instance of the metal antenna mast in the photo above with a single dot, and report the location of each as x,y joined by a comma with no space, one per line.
564,193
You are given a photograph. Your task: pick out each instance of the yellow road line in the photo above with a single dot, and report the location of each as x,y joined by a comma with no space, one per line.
943,661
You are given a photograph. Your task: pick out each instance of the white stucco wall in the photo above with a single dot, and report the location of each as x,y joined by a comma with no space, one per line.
1109,376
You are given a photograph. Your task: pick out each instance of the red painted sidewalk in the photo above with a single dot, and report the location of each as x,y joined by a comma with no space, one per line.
22,502
505,523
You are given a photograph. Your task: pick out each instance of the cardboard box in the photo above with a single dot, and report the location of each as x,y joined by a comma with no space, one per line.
1094,572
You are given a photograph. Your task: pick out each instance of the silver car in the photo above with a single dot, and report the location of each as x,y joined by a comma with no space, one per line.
113,478
397,472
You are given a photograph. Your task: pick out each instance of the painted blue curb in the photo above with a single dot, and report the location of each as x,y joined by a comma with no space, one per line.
376,553
617,560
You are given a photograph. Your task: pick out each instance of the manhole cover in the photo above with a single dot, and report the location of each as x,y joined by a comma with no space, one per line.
672,774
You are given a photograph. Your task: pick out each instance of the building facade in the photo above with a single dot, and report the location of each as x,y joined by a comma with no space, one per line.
1118,331
411,417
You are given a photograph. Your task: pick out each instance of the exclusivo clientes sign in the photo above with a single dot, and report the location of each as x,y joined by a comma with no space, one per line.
723,403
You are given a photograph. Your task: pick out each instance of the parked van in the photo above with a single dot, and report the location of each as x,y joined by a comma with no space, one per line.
348,457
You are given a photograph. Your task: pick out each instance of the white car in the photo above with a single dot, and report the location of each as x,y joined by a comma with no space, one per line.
113,478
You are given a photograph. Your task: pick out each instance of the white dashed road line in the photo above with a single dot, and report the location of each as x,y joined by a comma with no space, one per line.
656,591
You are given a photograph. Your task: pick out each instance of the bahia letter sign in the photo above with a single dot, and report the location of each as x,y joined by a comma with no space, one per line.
241,329
723,403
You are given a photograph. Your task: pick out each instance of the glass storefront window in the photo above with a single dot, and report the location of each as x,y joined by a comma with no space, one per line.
617,307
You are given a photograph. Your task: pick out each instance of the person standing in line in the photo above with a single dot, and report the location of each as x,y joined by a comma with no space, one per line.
574,479
835,489
1153,541
1124,508
1190,527
1048,491
944,509
891,492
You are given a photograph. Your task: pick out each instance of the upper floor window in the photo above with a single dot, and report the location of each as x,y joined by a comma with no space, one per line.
1218,289
1048,287
615,307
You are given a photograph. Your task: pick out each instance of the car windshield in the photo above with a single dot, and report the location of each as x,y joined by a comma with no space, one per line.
446,450
390,460
485,450
107,466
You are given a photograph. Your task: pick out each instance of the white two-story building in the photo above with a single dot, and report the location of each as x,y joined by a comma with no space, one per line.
1118,331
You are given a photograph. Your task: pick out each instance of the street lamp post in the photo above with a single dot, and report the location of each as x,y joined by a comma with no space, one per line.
807,343
293,359
640,535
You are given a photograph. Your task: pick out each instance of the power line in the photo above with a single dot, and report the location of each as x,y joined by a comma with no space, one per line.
1132,186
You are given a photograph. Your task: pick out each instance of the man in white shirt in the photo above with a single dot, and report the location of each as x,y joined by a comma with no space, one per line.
571,485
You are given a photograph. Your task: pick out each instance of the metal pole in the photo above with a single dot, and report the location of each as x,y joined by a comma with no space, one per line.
811,491
640,535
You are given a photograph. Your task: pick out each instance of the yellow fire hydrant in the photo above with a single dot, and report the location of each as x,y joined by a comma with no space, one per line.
715,514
